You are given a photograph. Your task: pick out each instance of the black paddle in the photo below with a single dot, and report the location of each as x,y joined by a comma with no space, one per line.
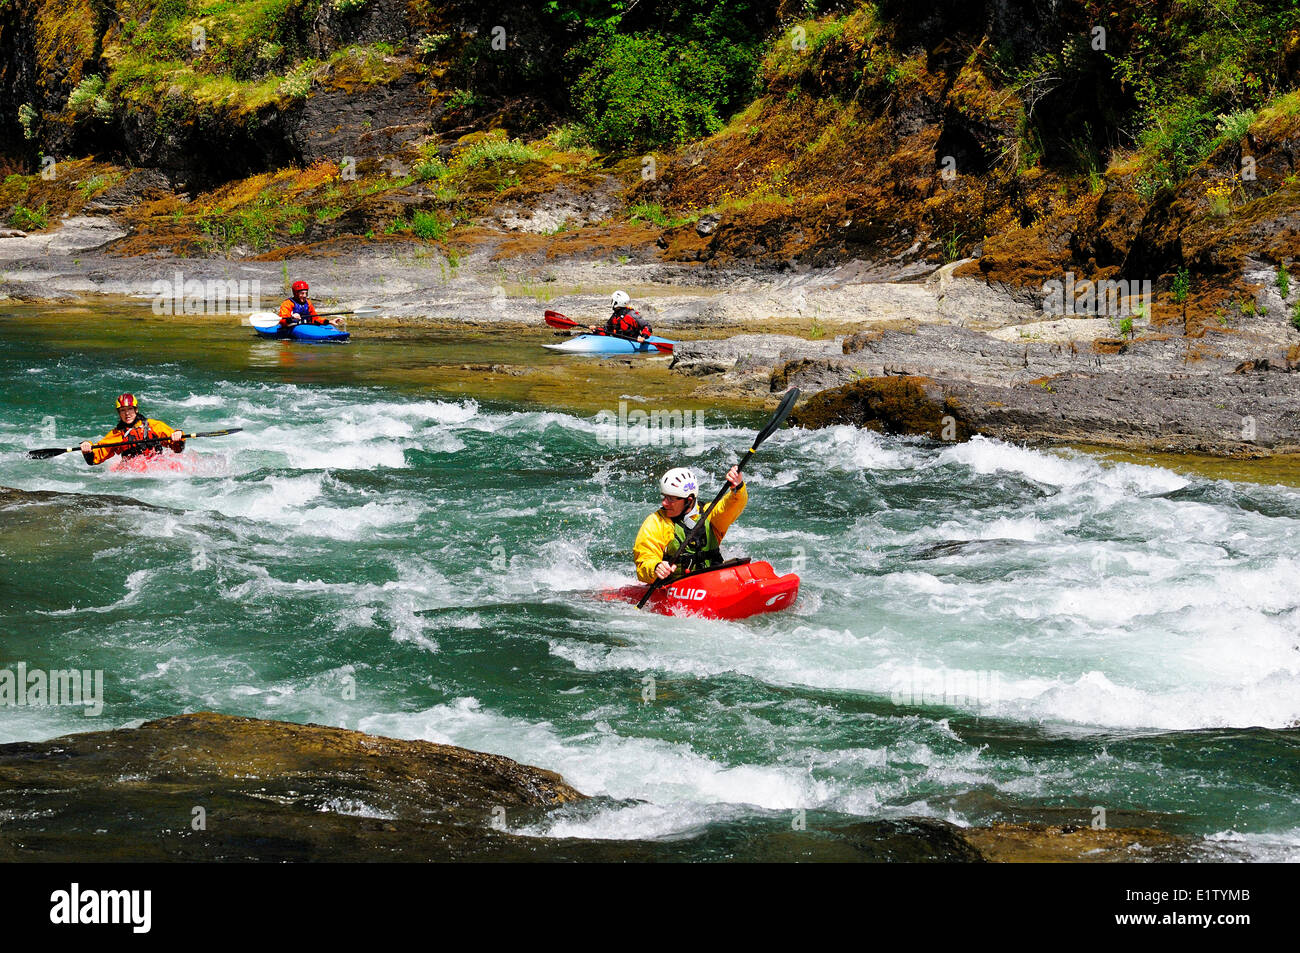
685,554
48,452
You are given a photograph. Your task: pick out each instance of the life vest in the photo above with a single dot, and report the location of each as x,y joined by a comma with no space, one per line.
294,312
131,436
708,546
625,322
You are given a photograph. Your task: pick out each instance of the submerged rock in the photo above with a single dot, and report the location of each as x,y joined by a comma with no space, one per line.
216,787
1039,843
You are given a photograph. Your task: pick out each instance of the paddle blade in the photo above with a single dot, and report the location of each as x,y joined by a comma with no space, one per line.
778,418
557,320
663,348
265,320
46,453
362,312
214,433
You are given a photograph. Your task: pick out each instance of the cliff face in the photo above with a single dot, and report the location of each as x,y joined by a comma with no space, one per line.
1113,141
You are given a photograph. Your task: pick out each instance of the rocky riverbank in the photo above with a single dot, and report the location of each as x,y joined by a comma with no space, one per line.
889,348
210,787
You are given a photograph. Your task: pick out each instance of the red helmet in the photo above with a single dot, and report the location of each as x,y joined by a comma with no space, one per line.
127,400
299,286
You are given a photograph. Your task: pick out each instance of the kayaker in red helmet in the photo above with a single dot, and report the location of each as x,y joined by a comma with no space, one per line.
625,322
297,309
664,530
132,428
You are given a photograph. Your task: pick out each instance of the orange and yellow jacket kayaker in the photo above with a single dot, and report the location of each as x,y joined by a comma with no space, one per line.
297,309
124,439
665,530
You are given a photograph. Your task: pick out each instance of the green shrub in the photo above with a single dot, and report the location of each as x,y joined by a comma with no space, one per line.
494,149
82,99
643,90
571,136
1283,281
1178,139
96,183
648,212
434,169
430,43
1182,285
27,116
30,219
429,225
297,83
1234,126
1295,316
463,99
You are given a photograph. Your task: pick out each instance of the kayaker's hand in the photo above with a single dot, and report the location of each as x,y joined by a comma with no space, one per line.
85,446
734,477
664,570
592,328
178,436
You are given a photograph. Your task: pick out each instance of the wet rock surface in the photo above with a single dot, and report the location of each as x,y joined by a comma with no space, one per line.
221,788
1153,393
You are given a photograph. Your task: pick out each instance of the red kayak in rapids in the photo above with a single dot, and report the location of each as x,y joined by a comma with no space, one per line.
736,589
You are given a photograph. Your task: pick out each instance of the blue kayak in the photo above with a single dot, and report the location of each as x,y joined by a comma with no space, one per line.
608,344
315,333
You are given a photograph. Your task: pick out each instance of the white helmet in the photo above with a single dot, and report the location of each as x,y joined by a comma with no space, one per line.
679,482
619,298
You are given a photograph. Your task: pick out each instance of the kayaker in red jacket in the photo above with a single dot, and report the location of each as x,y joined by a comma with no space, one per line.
131,429
297,309
625,322
665,530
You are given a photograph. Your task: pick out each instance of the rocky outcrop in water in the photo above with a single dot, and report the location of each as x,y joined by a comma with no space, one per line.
216,787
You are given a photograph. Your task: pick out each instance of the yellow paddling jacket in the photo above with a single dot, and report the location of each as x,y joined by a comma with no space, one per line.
660,537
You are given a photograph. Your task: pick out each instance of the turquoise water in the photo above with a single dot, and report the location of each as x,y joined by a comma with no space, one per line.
984,633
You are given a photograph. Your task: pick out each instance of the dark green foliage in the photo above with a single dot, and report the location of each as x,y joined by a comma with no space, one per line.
644,90
685,69
637,74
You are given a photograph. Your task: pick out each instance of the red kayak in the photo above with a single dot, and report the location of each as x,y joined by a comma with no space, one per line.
735,590
152,463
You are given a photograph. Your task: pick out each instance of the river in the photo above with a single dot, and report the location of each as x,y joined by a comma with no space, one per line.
403,545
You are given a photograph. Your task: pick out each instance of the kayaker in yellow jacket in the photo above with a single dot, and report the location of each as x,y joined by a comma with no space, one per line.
131,429
664,530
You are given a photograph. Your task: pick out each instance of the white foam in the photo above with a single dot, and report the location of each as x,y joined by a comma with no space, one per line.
984,455
600,762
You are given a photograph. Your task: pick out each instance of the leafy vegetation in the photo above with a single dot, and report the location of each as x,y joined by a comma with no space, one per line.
496,148
429,225
30,219
1198,73
690,66
1181,286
